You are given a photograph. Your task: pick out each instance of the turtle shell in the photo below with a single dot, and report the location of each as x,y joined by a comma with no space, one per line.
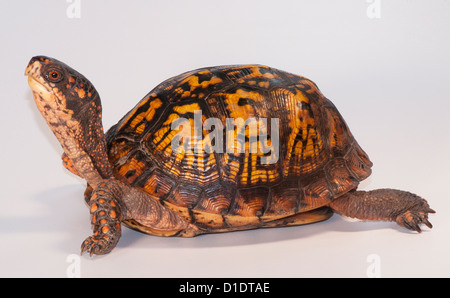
317,161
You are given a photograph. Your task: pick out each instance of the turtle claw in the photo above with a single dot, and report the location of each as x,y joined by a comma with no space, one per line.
97,246
413,219
91,245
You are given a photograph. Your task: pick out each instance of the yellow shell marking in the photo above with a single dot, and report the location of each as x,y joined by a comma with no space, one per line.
148,114
301,123
193,82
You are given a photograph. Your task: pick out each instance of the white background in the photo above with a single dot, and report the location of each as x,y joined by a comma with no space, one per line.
388,76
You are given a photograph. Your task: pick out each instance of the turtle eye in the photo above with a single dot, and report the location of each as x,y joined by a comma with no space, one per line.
54,75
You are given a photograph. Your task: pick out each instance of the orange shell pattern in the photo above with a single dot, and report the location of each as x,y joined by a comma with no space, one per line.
319,159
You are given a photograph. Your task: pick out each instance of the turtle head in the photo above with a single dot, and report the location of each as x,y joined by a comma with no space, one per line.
59,88
72,108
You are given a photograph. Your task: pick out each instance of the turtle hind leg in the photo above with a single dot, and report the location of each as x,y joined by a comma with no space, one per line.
302,218
405,208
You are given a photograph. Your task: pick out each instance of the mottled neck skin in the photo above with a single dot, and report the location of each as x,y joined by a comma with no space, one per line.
71,106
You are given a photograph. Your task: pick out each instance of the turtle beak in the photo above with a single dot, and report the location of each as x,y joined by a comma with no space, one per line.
33,71
34,67
35,80
29,69
31,65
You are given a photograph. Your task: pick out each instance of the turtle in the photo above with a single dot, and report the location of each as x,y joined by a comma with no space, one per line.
199,155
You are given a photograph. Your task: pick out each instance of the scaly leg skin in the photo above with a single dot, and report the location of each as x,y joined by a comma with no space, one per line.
105,218
405,208
67,163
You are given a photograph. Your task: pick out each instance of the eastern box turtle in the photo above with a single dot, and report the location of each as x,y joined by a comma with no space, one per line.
304,166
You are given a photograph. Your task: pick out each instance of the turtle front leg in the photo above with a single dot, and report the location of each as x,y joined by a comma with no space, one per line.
405,208
105,218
